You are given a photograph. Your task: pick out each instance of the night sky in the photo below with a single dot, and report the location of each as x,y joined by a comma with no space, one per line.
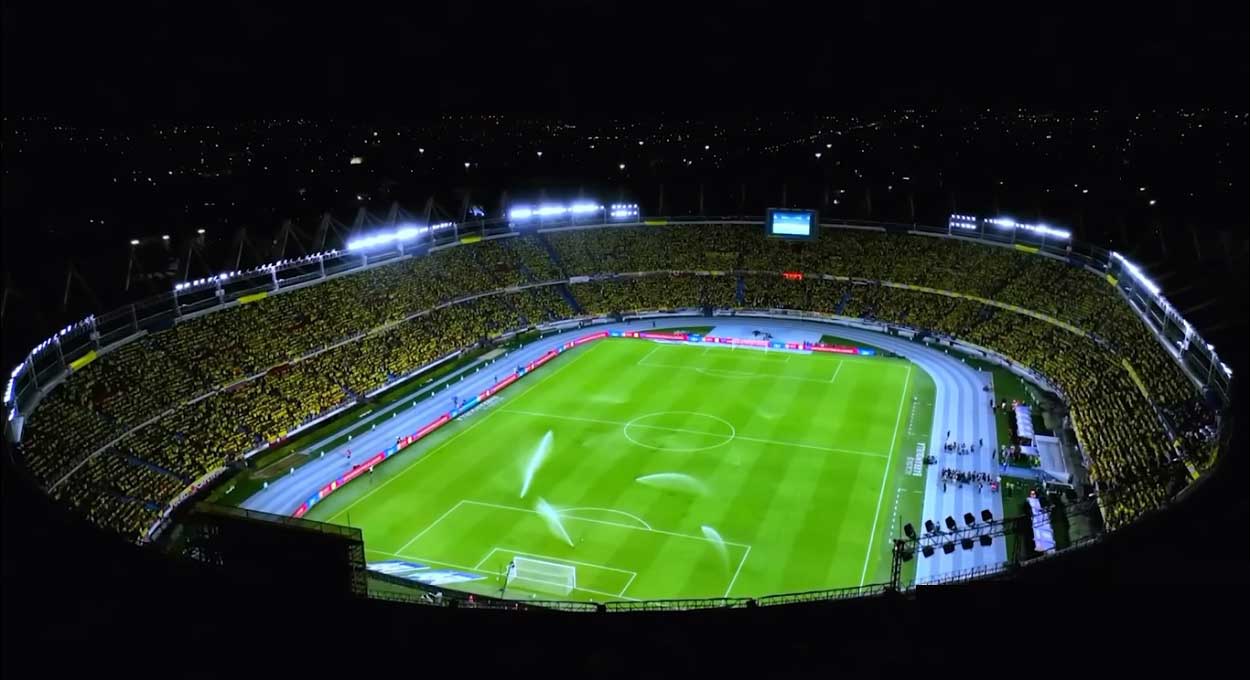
168,60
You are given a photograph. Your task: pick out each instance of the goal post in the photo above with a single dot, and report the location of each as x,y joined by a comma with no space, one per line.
541,575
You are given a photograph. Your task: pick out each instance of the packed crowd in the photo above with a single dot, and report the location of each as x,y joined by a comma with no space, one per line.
294,356
660,292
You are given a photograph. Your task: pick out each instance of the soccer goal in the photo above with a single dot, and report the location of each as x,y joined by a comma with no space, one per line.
548,577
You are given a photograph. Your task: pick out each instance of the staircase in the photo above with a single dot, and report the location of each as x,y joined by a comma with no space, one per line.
568,297
846,297
139,462
555,257
526,272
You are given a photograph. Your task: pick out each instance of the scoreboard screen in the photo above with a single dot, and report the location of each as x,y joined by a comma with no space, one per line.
800,224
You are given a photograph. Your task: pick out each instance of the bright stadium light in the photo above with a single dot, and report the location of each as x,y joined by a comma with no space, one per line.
1137,274
406,233
964,222
164,237
134,241
199,231
623,211
1008,223
547,211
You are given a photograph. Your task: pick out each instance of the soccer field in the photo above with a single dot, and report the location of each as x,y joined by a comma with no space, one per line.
660,471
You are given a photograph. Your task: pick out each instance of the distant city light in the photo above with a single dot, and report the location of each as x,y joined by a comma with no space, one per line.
466,165
134,241
164,237
540,154
818,154
622,166
355,160
199,231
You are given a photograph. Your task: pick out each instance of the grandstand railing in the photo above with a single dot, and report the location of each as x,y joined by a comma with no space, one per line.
426,595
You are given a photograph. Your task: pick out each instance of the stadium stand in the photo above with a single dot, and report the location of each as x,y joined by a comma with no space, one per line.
294,356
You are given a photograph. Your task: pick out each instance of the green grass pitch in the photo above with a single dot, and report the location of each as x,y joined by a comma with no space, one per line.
676,471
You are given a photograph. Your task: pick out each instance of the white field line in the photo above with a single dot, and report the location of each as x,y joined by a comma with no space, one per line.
738,571
555,559
628,583
698,432
885,476
431,526
461,567
415,558
606,523
726,373
648,354
637,519
460,434
600,592
836,371
764,358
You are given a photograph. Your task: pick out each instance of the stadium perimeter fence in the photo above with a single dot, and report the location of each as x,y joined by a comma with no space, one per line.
432,597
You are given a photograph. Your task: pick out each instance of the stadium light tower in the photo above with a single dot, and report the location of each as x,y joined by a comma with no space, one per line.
130,265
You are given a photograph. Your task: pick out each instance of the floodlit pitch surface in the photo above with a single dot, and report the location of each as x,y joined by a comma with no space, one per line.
663,471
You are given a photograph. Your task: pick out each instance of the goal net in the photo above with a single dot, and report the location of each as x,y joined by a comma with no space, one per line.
548,577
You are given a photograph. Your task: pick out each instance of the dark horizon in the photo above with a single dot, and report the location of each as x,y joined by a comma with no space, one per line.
148,61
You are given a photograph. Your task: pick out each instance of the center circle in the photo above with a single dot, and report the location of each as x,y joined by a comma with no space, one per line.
678,424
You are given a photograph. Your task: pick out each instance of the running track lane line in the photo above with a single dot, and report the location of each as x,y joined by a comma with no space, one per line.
885,476
440,447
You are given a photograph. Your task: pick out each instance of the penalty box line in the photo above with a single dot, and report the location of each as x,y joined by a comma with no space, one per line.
467,569
632,574
426,455
605,523
548,557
